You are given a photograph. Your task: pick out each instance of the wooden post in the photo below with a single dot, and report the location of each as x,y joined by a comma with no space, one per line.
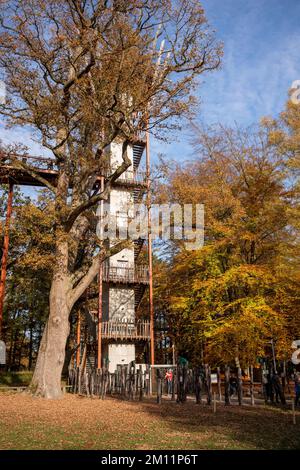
86,382
283,376
219,384
123,382
208,384
131,382
179,378
159,385
100,372
92,383
227,386
5,252
198,385
263,385
185,379
83,362
240,386
137,382
252,386
173,384
140,383
78,380
215,403
293,411
106,379
147,380
78,338
151,307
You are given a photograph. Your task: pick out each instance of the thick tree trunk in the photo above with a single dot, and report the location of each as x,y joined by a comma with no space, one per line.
46,381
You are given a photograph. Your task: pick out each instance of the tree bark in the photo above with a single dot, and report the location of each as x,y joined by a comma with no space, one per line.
46,381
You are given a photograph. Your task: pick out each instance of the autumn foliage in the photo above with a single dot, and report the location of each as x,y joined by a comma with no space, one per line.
227,301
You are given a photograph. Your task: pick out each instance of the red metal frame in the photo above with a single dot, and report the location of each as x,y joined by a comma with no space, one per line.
5,252
151,307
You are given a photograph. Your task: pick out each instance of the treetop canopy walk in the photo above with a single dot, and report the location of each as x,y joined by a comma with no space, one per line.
29,170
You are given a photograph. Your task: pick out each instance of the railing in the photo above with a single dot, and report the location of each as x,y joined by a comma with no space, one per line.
125,330
49,164
39,163
137,274
128,177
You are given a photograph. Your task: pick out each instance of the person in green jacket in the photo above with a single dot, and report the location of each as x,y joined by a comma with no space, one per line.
182,361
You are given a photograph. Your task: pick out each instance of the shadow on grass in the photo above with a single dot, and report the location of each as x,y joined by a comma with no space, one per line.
246,427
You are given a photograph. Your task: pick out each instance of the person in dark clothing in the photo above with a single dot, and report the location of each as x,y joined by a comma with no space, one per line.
268,389
277,387
297,389
233,385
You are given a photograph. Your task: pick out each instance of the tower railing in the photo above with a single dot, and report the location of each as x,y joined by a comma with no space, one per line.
132,274
113,329
37,162
128,176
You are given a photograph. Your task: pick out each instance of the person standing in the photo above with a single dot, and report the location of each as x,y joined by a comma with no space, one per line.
169,378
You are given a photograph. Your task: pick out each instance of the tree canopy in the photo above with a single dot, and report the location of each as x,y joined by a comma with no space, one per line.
226,301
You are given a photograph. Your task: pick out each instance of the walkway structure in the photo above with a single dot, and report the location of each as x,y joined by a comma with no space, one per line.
118,337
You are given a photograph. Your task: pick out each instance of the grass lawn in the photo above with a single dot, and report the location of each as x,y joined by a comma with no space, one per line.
84,423
15,379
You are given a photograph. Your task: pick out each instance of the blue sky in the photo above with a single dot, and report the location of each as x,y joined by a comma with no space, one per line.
261,60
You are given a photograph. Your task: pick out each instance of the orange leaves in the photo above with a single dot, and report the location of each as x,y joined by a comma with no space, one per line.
239,290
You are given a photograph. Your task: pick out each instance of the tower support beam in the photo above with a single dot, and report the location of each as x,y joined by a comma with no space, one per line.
5,252
151,307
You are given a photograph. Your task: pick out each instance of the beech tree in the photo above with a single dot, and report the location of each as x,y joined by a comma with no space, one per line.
226,301
81,74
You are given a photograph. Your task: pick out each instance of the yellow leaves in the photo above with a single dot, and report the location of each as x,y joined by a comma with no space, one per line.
248,331
179,303
35,260
31,234
240,289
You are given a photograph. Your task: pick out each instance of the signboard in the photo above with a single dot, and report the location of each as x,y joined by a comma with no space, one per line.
2,353
296,354
214,378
